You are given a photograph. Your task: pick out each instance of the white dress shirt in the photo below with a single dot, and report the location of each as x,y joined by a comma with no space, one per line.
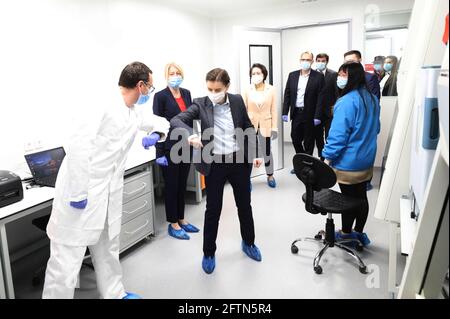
224,140
302,83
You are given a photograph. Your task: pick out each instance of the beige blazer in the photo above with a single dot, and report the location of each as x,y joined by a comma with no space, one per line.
262,110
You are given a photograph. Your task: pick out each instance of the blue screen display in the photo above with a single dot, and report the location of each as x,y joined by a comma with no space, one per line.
46,163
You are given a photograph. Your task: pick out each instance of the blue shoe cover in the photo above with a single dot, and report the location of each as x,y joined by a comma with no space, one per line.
251,251
272,183
208,264
363,238
189,228
130,295
179,234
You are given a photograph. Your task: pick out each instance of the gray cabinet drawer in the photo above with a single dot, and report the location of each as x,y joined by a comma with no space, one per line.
136,186
136,207
135,230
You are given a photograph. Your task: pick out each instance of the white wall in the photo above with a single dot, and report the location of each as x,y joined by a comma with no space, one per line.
301,14
388,42
64,57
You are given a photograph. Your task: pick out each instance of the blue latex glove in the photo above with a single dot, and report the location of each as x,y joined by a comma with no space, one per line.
317,122
162,161
79,205
285,118
150,140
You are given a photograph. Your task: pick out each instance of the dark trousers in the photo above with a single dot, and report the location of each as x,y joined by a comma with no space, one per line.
239,177
175,179
319,132
358,191
302,134
327,125
318,136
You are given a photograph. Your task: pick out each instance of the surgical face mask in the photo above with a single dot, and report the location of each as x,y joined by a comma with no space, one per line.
257,79
387,67
341,82
321,66
216,98
305,65
175,81
143,98
378,67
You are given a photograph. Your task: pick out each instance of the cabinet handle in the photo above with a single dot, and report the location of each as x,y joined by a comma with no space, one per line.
134,232
137,209
136,190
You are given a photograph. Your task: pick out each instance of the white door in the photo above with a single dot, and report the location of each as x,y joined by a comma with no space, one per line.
258,45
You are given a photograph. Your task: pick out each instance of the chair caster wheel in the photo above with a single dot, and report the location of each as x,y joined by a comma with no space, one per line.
363,270
36,281
318,270
318,236
294,249
359,248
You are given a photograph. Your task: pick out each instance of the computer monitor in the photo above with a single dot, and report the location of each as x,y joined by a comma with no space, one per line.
44,166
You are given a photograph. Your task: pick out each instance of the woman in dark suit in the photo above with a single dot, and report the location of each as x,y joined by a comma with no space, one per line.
168,103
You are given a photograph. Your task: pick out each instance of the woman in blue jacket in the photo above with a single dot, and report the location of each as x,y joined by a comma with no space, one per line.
352,144
168,103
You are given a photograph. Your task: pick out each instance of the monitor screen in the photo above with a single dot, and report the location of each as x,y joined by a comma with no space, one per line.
46,163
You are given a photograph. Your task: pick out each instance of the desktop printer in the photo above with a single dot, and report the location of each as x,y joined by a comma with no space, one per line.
11,190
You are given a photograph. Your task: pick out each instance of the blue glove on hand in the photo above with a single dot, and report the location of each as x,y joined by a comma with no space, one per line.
79,205
150,140
162,161
285,118
317,122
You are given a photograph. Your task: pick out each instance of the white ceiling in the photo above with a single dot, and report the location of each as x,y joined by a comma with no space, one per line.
223,8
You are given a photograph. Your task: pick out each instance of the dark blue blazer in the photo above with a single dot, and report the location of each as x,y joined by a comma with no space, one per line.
373,84
165,105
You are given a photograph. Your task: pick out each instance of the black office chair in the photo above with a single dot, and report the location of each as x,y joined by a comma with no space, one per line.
318,177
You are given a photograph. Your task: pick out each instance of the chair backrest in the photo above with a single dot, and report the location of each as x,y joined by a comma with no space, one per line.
315,174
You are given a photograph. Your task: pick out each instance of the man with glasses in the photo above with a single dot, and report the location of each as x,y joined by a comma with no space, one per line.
87,207
302,100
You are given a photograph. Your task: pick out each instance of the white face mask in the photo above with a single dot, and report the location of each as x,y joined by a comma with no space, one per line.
341,82
257,79
216,98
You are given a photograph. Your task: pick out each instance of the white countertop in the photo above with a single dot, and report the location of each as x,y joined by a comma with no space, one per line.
31,197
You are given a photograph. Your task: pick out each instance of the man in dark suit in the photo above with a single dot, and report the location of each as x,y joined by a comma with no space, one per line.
329,97
226,156
371,78
301,100
378,63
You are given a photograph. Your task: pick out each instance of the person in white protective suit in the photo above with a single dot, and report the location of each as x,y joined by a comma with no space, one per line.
87,207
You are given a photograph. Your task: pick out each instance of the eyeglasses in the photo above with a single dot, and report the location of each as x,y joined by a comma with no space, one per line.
150,88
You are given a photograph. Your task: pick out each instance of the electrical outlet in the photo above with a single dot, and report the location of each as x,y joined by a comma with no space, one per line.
32,146
28,147
38,145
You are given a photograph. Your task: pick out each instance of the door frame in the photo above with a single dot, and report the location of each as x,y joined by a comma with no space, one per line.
279,91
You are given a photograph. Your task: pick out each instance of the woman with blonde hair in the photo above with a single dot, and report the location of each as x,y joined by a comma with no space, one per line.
168,103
